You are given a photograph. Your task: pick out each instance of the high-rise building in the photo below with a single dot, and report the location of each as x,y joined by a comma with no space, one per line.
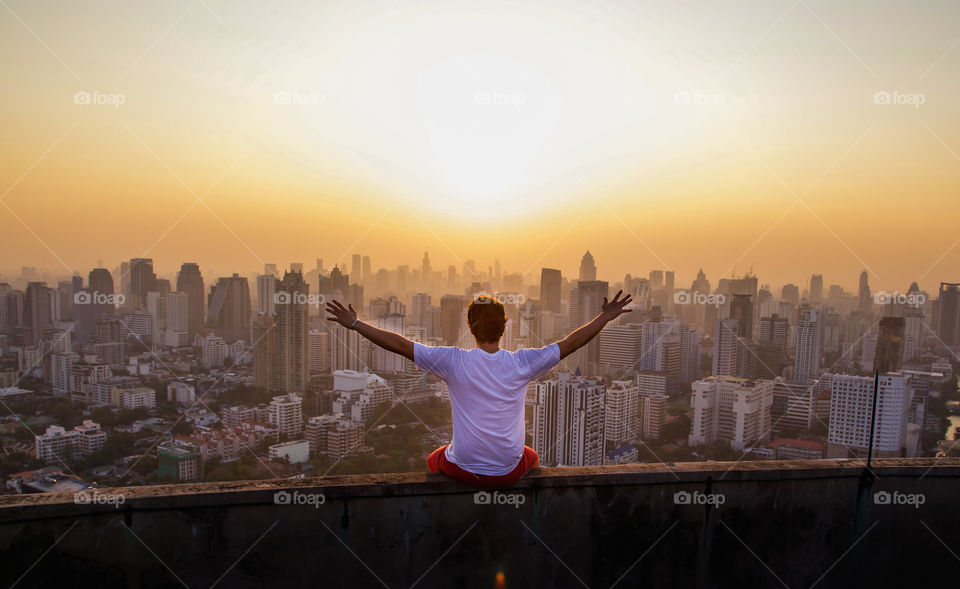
586,302
356,266
293,323
266,294
453,309
37,310
741,309
365,275
726,347
286,413
948,322
794,405
621,412
806,364
176,334
142,281
653,415
816,289
229,308
550,285
851,407
264,335
771,347
889,353
190,282
865,299
732,410
568,421
791,294
588,269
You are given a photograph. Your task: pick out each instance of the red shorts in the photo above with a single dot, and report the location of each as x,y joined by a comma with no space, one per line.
437,462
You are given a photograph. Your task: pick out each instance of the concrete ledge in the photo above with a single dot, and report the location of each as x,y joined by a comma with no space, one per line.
179,496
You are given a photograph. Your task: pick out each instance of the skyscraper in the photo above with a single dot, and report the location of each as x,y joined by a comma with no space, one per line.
586,302
37,310
142,281
851,407
264,334
190,282
266,292
453,309
550,284
726,346
889,353
741,309
291,371
229,310
948,323
865,304
816,289
588,269
568,421
809,345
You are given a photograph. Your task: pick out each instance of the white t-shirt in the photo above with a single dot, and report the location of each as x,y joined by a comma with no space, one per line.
487,395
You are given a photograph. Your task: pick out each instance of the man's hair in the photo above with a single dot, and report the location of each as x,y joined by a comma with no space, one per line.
486,319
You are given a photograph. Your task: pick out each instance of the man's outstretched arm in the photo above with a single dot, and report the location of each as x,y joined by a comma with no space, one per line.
388,340
609,311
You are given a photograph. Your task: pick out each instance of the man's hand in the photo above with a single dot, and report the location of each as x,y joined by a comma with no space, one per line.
615,308
345,316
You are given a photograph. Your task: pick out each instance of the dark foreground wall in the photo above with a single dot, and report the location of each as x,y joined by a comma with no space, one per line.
749,524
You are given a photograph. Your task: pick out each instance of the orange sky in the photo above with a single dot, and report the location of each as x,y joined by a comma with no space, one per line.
654,135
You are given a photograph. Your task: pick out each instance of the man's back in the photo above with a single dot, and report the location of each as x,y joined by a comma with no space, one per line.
487,393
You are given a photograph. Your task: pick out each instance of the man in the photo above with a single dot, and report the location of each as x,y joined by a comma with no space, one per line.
487,387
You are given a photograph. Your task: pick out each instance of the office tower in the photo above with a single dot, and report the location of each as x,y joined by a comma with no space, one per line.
286,413
365,273
568,421
741,309
318,351
726,346
293,323
732,410
621,412
264,335
656,279
586,302
790,293
816,289
865,304
176,334
229,308
948,321
889,353
420,305
550,284
851,406
809,345
669,280
266,294
156,306
384,361
588,269
336,283
794,405
356,266
620,349
271,269
190,282
142,281
37,311
771,347
426,271
653,415
93,302
453,309
831,331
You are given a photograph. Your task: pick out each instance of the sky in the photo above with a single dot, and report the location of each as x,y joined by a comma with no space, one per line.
790,137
